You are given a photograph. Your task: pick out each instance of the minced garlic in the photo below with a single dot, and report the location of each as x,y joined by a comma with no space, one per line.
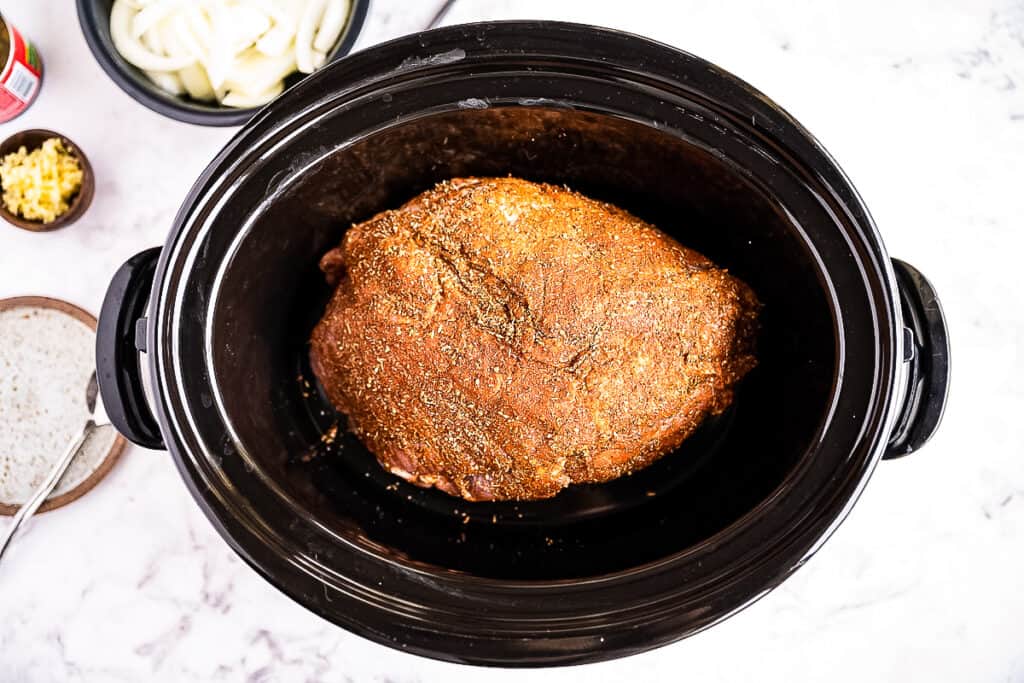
39,184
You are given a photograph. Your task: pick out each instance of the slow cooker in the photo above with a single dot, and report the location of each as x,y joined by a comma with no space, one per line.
853,353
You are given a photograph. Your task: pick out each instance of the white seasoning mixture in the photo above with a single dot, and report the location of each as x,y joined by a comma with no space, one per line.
46,359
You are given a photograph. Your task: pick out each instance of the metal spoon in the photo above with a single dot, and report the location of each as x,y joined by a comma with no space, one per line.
440,14
59,468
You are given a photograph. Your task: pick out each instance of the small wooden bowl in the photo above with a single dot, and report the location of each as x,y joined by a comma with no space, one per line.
33,139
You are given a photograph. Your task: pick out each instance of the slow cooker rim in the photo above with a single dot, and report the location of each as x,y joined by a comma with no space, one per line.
157,342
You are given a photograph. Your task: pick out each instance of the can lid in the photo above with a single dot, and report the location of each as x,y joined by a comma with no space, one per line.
47,360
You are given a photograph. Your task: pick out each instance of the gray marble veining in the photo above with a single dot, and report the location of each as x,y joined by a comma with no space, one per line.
922,102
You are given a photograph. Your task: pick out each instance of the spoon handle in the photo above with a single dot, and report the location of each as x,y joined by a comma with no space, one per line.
40,494
440,14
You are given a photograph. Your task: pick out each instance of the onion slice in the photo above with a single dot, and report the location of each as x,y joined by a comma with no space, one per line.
238,99
238,52
132,49
311,16
332,24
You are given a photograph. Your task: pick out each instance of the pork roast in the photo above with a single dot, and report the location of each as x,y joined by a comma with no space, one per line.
501,339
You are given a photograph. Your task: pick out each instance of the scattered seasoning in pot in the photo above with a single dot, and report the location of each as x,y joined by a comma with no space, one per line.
40,184
20,74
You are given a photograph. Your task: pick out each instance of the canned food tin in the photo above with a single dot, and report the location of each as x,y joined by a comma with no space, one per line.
22,72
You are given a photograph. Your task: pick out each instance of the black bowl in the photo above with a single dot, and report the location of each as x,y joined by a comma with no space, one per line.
851,356
94,17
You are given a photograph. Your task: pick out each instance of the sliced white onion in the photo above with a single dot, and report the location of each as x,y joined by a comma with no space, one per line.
152,14
132,49
154,42
255,72
220,53
332,24
278,39
235,51
247,24
194,79
239,99
186,38
197,22
311,16
167,81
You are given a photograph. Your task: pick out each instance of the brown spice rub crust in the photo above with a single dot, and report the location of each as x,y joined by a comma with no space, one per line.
500,339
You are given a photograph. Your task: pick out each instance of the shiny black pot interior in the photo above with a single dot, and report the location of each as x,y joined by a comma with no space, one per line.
272,293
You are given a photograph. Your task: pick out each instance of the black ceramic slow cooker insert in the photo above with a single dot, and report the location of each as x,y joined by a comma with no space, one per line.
853,353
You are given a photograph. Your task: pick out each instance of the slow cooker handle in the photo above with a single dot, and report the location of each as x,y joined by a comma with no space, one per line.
926,352
117,354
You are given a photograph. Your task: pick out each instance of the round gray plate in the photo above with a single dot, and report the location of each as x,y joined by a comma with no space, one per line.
47,354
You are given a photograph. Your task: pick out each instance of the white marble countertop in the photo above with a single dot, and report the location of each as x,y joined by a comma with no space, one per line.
922,101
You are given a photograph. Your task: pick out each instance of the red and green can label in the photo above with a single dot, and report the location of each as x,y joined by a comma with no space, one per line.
21,75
